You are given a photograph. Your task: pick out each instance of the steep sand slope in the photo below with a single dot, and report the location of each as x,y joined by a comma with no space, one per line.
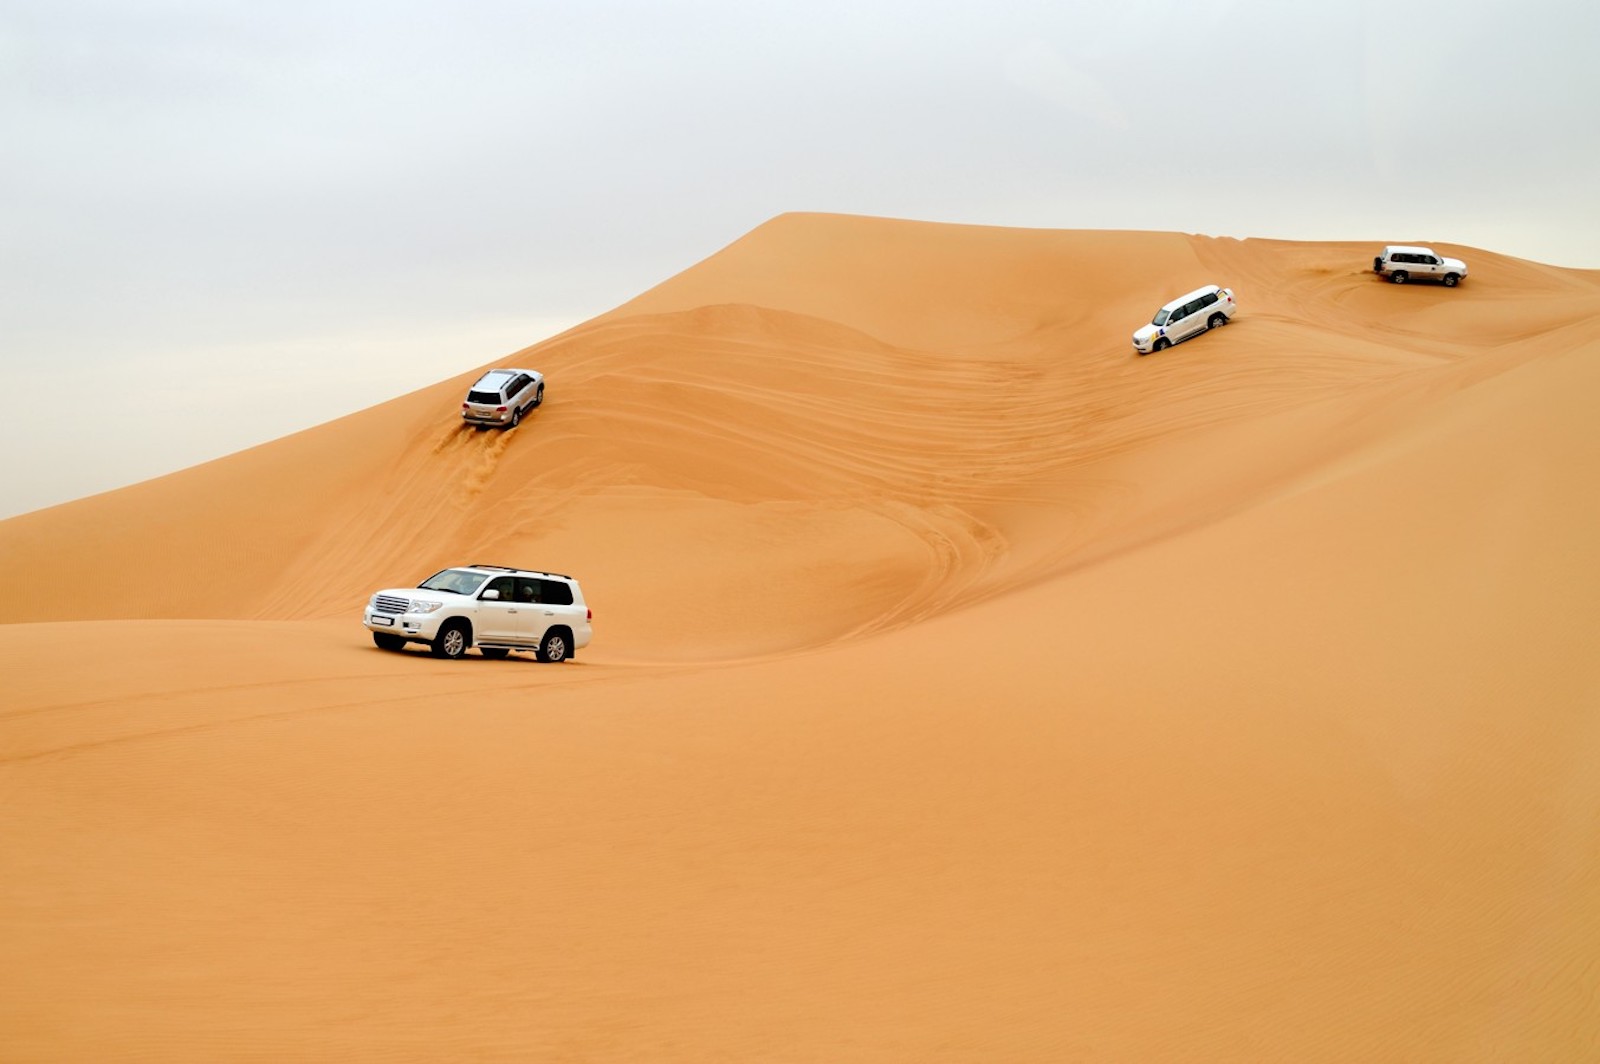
1237,703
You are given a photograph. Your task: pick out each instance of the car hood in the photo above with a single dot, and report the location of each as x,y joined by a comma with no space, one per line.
1145,333
412,594
1454,264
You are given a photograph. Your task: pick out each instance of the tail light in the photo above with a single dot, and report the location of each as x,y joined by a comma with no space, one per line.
588,614
463,406
499,410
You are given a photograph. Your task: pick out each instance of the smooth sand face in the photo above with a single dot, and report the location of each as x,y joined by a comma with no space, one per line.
964,687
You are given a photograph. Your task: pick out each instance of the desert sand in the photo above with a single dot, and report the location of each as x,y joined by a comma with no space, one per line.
964,688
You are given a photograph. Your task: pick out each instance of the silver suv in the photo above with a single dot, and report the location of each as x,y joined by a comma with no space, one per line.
502,396
492,607
1401,263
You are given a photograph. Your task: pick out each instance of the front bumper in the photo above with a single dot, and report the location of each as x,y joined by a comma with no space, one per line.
420,626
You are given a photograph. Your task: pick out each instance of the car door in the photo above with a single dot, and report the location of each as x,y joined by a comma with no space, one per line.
1185,321
556,607
520,395
497,618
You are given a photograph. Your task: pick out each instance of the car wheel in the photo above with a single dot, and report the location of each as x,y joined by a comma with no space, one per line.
1451,280
1217,321
1399,277
1161,344
385,641
452,642
554,648
516,419
538,396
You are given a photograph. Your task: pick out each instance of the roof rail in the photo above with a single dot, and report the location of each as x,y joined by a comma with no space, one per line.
513,569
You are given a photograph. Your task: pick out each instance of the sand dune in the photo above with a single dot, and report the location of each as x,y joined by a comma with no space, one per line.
964,687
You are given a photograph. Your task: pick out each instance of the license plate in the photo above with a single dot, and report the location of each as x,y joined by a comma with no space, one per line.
385,621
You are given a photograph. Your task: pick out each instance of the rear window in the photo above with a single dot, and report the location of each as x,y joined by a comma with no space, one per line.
483,397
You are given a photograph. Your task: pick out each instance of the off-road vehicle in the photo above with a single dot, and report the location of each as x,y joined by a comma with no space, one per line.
492,607
1400,264
1206,308
502,396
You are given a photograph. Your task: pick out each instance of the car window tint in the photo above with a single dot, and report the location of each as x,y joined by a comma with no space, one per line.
555,592
503,584
527,589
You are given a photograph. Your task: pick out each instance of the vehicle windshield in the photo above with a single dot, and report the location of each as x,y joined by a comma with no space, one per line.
1160,318
455,581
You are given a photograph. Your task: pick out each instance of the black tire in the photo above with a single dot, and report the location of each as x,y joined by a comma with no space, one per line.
493,653
1452,279
454,639
1161,344
557,646
1399,277
1217,321
385,641
516,419
538,396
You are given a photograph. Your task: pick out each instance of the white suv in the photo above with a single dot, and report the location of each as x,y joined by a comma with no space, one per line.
1206,308
1402,264
502,396
494,608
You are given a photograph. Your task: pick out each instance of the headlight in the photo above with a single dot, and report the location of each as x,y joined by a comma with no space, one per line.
424,607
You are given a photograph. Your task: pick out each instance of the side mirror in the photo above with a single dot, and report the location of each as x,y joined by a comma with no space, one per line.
490,595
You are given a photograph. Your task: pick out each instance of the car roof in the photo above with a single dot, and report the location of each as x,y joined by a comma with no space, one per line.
496,377
1181,300
1409,249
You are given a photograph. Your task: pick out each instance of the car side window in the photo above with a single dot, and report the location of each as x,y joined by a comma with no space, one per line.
527,589
1207,299
555,592
504,584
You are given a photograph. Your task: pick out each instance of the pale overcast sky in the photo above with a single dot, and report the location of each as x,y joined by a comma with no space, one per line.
222,221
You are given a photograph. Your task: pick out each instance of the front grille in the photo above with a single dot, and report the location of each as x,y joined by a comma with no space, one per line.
391,604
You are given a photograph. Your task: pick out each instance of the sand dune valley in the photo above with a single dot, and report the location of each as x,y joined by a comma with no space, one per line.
964,688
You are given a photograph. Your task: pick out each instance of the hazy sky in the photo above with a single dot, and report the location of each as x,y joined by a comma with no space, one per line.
223,221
